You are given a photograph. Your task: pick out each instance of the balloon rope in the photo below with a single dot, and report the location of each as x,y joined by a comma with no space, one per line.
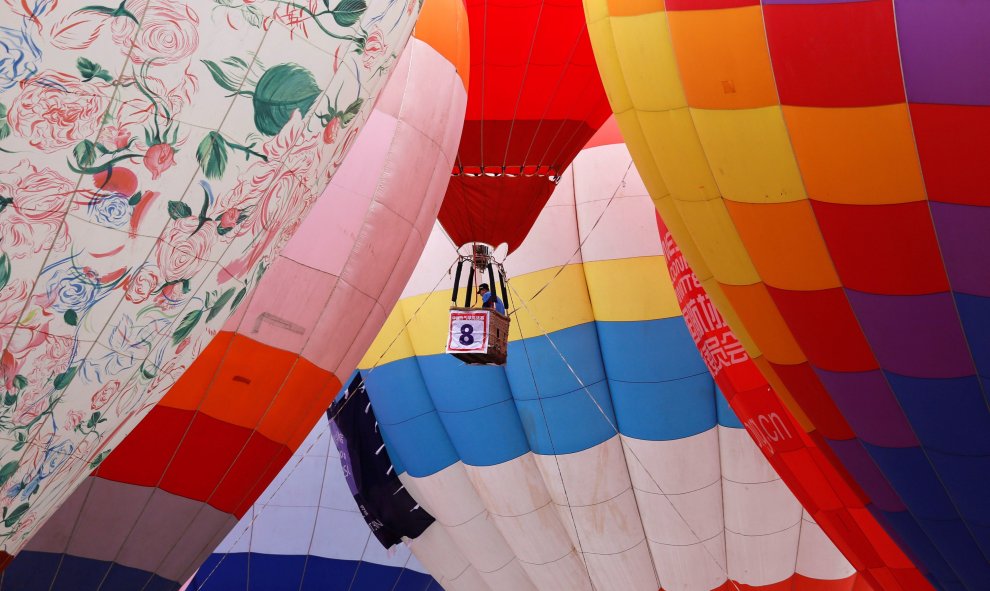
632,452
598,220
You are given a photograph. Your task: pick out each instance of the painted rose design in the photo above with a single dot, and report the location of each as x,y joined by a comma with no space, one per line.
154,156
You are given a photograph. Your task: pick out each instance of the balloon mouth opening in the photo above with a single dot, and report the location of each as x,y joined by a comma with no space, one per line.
548,172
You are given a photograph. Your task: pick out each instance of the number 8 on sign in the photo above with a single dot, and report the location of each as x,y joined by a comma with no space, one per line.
466,335
468,332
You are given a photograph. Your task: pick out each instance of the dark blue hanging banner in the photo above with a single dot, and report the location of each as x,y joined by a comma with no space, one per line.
389,510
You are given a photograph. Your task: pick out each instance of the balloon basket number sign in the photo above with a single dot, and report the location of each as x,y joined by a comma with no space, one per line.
478,337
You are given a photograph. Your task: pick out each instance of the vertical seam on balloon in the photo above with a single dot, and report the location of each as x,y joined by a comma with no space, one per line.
522,88
546,110
354,577
721,481
404,568
316,518
484,57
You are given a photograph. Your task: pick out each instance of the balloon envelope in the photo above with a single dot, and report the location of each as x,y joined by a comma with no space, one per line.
822,180
602,454
201,457
154,157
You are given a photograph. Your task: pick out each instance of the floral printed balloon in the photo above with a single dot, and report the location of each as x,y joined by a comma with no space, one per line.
154,156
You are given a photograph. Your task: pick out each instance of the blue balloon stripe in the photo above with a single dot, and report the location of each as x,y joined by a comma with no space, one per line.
272,572
645,378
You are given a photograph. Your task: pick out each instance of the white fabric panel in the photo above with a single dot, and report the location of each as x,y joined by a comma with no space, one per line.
520,508
510,488
537,537
469,580
679,491
590,476
818,558
442,558
677,466
609,526
684,519
762,560
437,257
293,526
566,574
630,570
686,507
303,488
343,535
596,503
690,568
336,494
449,496
762,517
759,509
742,460
607,182
553,240
414,563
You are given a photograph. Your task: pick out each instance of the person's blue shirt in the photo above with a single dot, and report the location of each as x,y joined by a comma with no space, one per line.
486,299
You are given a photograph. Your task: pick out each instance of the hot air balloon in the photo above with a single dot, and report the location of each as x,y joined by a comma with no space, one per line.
817,163
802,464
535,98
155,156
602,455
170,492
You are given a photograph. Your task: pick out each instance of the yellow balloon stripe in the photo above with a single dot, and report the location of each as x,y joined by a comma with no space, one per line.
693,143
581,293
